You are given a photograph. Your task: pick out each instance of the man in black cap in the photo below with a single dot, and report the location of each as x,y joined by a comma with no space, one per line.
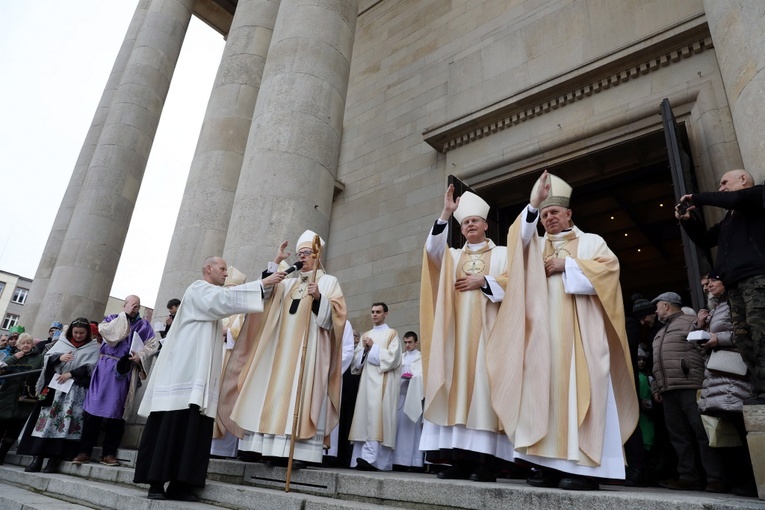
678,370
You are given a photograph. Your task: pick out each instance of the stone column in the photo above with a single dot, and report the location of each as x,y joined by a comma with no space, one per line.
72,194
737,27
83,276
288,177
754,419
203,218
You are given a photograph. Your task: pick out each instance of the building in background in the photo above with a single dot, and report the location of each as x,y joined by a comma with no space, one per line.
14,290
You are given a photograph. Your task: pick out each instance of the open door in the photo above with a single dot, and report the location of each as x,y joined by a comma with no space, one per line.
456,240
683,182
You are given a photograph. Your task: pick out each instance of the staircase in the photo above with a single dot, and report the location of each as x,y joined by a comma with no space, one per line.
238,485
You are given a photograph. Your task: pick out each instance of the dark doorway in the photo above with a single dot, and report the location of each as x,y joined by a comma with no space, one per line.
625,194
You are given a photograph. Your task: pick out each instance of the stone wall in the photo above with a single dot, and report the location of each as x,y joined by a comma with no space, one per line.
488,90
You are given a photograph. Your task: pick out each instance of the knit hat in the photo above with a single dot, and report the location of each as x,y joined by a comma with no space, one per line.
669,297
641,306
471,205
17,330
56,325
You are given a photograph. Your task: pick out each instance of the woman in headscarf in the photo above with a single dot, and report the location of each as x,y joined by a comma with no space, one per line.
16,402
55,427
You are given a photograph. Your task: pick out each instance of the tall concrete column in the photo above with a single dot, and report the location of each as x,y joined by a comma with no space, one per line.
72,194
737,32
87,262
288,177
204,215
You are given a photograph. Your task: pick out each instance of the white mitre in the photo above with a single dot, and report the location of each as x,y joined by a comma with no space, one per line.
235,277
471,205
306,240
560,192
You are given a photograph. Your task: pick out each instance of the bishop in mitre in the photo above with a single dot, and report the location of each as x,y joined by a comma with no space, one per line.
460,295
558,354
264,386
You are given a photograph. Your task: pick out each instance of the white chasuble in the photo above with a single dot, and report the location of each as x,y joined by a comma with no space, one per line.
374,417
188,369
265,405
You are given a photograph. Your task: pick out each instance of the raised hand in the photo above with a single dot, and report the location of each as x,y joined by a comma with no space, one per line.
450,204
282,253
543,191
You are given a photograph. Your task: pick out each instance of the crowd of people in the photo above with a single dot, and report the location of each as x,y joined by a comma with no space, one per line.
528,365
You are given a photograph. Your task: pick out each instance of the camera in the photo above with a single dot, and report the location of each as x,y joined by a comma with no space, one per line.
682,207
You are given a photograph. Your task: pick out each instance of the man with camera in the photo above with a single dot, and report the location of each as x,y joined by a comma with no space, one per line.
740,241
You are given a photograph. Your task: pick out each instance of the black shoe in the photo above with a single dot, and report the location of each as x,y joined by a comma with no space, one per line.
35,466
297,465
275,462
157,491
747,491
363,465
543,478
456,472
51,466
578,483
681,485
178,491
755,401
483,473
181,496
634,478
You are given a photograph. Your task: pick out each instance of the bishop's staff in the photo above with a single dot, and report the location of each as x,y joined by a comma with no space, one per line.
316,256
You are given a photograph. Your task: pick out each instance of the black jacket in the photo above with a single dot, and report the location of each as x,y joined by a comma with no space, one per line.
739,237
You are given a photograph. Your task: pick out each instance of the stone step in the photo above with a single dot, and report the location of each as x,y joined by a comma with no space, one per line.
20,498
109,487
235,484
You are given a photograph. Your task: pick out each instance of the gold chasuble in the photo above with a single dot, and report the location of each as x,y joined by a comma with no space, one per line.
553,356
265,367
454,329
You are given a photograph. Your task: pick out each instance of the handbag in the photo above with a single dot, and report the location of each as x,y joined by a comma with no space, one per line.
27,396
721,432
727,361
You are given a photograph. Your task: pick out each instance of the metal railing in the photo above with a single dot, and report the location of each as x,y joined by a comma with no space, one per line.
19,374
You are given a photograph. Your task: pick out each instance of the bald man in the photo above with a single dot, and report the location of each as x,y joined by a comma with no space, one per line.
740,241
181,399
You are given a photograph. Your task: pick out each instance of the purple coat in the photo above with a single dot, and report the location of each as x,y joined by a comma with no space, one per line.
108,389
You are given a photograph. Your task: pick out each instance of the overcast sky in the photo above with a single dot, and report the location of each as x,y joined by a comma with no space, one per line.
55,58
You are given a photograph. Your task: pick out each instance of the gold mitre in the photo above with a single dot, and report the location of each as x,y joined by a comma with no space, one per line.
306,240
560,192
471,205
235,277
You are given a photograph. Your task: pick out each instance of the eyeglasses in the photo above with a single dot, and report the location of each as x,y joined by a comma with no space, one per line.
305,253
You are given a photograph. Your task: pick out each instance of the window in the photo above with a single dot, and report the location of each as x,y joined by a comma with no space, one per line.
10,321
20,295
2,287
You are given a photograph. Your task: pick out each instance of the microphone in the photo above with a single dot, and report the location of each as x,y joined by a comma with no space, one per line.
294,267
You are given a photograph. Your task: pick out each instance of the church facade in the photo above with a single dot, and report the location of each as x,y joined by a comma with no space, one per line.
349,117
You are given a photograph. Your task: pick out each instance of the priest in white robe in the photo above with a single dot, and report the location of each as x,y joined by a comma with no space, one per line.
378,359
409,413
264,392
558,352
461,291
181,399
